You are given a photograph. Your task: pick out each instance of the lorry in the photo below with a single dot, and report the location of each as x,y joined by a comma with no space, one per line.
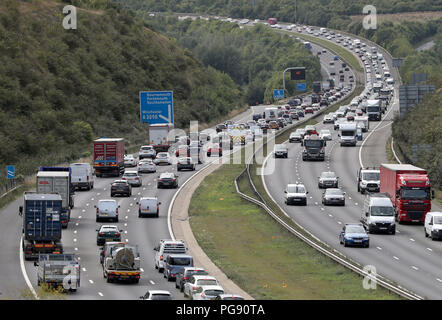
270,114
357,43
347,134
272,21
121,262
71,185
58,270
109,156
373,109
317,87
159,136
313,148
409,189
56,182
41,224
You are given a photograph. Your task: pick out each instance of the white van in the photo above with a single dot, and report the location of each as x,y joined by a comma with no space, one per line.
347,134
81,176
433,225
378,214
148,206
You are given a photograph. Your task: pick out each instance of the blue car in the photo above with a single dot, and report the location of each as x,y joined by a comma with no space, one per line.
175,263
354,235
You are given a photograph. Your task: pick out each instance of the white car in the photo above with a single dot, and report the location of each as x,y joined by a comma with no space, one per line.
207,293
433,225
197,281
325,134
132,178
130,161
295,194
163,158
146,152
157,295
146,166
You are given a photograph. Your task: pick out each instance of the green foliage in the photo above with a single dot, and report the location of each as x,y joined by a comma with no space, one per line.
60,89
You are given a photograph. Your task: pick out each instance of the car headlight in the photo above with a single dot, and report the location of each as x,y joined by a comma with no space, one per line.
364,183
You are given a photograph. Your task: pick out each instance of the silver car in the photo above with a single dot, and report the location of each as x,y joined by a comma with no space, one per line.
163,158
146,152
333,196
325,134
207,293
146,165
107,210
133,178
328,179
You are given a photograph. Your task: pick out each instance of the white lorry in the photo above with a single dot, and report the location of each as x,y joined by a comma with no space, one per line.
159,136
347,134
271,114
363,123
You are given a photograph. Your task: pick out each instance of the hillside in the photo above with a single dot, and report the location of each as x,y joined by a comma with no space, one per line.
60,89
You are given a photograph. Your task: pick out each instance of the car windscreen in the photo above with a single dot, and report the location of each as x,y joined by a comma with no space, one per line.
313,143
233,298
158,296
437,220
348,133
211,292
146,148
328,175
372,109
280,147
355,229
130,174
196,273
334,192
162,155
207,282
371,176
180,261
120,184
110,205
295,189
382,211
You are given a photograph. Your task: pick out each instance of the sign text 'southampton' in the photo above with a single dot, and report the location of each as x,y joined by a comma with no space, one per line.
156,107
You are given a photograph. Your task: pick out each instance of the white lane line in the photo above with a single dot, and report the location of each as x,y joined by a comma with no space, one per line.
316,203
379,248
356,203
100,294
438,279
104,189
98,193
151,282
79,217
396,257
125,224
127,240
339,222
135,199
429,249
75,240
415,268
139,193
79,258
92,199
128,210
75,231
125,217
330,215
23,269
83,210
322,209
148,185
87,204
84,269
125,231
131,205
141,269
411,239
76,223
92,282
349,198
76,249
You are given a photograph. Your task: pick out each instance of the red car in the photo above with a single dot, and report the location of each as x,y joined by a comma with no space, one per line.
213,149
359,112
309,110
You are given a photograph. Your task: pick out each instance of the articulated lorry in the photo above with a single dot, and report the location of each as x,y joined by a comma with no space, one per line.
409,190
121,262
109,156
159,136
57,182
71,185
58,270
314,148
41,224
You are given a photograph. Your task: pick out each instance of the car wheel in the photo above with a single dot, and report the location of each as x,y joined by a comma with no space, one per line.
345,244
426,234
116,219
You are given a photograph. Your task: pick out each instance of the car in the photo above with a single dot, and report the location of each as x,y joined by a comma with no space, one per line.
350,116
166,247
281,151
214,148
167,179
108,233
162,158
294,115
308,110
295,136
197,281
185,163
328,179
184,275
146,152
130,161
301,131
220,127
121,187
148,206
133,178
337,122
328,119
182,151
325,134
295,194
281,123
228,296
273,125
207,293
288,118
333,196
146,165
174,263
156,295
107,209
354,234
433,225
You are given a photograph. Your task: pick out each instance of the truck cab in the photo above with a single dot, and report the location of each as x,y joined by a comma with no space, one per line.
373,109
378,214
347,134
314,148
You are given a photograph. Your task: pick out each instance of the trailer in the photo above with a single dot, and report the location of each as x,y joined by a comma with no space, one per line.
58,270
109,156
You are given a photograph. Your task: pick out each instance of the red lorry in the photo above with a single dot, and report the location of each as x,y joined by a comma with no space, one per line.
409,190
109,156
272,21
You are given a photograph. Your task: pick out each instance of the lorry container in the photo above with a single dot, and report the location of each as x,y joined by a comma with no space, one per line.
159,136
71,185
58,270
41,224
56,182
373,109
121,262
314,148
109,156
409,190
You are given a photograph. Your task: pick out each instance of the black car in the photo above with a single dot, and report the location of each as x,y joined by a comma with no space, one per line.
184,275
185,163
121,187
280,122
108,233
257,116
167,180
220,127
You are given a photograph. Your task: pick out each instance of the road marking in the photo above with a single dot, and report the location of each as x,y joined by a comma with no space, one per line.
349,198
75,231
92,199
411,239
138,194
131,205
79,217
76,249
356,203
438,279
316,203
92,282
128,210
127,240
396,257
322,209
148,185
100,294
125,224
330,215
379,248
83,210
125,217
339,222
415,268
23,269
141,269
104,189
429,249
98,194
135,199
75,240
125,231
79,258
151,282
76,223
84,269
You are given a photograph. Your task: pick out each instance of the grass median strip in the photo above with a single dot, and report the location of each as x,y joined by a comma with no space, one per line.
260,255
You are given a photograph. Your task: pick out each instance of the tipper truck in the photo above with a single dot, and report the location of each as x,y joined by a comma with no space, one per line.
409,190
41,224
58,270
56,182
159,136
109,156
121,262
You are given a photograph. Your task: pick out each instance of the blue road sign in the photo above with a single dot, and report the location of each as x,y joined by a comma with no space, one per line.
10,172
278,94
156,107
301,86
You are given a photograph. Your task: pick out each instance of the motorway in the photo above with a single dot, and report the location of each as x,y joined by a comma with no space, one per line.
408,258
80,237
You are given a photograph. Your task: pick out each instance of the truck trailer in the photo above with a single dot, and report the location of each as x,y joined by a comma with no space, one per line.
409,190
109,156
58,270
159,136
41,224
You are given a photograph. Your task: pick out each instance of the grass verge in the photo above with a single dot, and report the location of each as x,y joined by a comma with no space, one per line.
269,263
